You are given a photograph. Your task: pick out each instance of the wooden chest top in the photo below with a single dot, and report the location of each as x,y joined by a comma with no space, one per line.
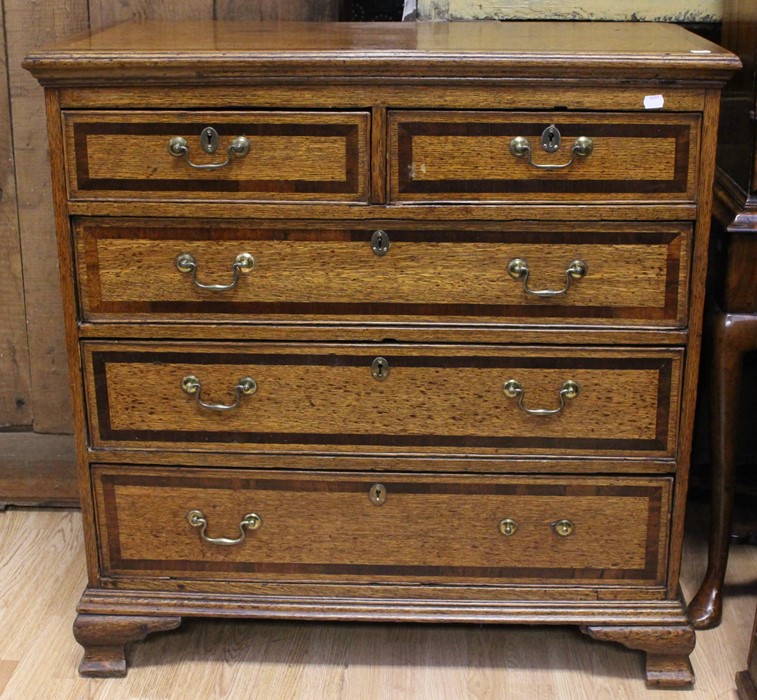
204,51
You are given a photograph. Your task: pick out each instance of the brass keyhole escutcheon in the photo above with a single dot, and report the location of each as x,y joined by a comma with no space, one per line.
563,527
380,243
380,369
550,139
209,140
377,494
508,527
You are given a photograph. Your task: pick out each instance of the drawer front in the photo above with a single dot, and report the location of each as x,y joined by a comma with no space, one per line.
292,156
328,526
635,274
467,156
384,398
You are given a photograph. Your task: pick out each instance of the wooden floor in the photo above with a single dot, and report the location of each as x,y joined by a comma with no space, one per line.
42,575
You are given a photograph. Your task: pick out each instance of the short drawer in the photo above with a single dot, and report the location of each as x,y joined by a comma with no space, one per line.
288,156
366,528
557,273
384,398
498,156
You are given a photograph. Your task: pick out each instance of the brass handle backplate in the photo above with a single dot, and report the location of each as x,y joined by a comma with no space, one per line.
563,527
514,390
192,386
521,148
518,269
185,262
238,148
251,521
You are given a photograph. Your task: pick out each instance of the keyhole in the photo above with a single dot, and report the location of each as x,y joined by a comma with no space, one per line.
380,243
377,494
550,139
380,369
209,139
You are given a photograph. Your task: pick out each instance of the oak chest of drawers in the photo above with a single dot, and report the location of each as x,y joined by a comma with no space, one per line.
384,322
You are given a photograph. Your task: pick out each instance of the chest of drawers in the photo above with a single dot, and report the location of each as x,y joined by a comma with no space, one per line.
384,322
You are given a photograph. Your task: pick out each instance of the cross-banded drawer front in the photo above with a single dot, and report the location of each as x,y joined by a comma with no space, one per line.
385,398
389,527
277,156
521,156
619,274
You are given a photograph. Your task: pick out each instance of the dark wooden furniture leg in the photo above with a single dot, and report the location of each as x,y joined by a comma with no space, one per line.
733,335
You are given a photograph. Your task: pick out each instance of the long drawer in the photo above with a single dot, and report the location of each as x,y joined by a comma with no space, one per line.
384,398
557,273
277,156
294,525
517,156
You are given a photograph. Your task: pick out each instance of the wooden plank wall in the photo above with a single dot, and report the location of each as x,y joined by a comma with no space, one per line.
37,466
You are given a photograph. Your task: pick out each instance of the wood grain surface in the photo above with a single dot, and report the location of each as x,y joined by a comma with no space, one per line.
38,469
222,658
15,388
68,295
484,94
253,50
431,528
106,13
293,156
387,332
291,10
318,399
481,464
466,156
736,137
309,272
438,399
34,393
698,281
104,639
25,30
415,211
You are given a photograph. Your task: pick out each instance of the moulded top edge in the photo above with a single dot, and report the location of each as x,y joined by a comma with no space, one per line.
159,51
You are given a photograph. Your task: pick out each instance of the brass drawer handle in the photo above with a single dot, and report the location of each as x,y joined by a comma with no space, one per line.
563,527
239,148
245,387
185,262
251,521
521,148
514,390
518,269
